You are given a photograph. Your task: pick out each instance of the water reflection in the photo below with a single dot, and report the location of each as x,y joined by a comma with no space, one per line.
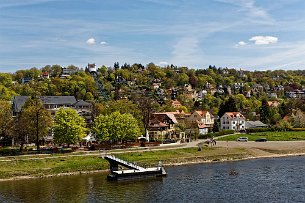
266,180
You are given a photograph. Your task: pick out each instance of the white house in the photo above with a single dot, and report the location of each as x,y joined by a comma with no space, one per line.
232,121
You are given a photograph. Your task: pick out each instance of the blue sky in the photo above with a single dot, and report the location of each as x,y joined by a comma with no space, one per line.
247,34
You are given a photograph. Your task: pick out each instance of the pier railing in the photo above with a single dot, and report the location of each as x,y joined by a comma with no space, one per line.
130,165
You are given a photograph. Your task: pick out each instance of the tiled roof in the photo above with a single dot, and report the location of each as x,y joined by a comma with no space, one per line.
81,103
169,115
234,114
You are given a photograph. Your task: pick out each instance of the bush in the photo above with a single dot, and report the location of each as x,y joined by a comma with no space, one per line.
224,132
256,130
297,129
9,151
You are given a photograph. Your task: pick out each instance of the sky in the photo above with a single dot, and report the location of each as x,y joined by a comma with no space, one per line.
241,34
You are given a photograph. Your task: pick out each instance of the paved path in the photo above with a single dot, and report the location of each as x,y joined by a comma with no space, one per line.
256,148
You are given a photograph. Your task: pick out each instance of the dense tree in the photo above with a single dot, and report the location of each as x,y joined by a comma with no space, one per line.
229,105
264,111
283,125
56,70
147,106
116,127
34,121
6,121
298,120
69,127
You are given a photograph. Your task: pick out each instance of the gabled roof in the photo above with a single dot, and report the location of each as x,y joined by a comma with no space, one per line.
81,103
19,101
169,115
255,124
202,113
273,103
176,102
234,114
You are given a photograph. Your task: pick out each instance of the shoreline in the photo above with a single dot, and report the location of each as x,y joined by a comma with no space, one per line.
198,160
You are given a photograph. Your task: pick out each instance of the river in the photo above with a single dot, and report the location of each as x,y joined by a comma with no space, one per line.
259,180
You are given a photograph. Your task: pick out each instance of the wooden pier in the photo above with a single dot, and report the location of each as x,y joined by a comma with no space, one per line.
132,171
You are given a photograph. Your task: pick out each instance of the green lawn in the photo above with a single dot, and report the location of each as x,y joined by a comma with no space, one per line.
271,136
47,165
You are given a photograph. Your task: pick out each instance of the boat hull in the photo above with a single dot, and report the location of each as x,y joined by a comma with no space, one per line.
131,174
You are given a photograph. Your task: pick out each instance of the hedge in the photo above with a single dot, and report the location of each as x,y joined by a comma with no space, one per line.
224,132
256,130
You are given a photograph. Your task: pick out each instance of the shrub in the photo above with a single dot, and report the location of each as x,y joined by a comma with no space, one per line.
297,129
256,130
224,132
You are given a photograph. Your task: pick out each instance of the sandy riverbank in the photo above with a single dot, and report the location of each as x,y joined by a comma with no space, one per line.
251,150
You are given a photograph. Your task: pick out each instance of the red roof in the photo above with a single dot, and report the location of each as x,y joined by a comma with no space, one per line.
234,114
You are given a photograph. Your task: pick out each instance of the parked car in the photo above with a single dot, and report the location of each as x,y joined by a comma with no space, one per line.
261,140
242,139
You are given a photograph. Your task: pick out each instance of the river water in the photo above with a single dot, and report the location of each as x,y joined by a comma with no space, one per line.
260,180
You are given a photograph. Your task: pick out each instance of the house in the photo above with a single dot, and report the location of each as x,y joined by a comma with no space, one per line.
162,125
157,130
45,75
255,124
203,129
272,95
203,117
26,80
273,103
257,88
54,103
291,94
66,72
176,104
203,120
156,85
232,121
202,94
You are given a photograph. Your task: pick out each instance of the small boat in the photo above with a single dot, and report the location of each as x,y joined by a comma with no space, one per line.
132,171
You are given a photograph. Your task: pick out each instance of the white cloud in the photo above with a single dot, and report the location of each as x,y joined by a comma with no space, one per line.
258,14
187,52
261,40
241,43
163,63
103,43
90,41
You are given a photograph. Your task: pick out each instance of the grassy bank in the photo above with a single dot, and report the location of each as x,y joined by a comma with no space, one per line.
37,166
271,136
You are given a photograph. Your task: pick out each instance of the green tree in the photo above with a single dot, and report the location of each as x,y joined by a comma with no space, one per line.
265,112
299,119
35,120
283,125
229,105
6,120
69,127
116,127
